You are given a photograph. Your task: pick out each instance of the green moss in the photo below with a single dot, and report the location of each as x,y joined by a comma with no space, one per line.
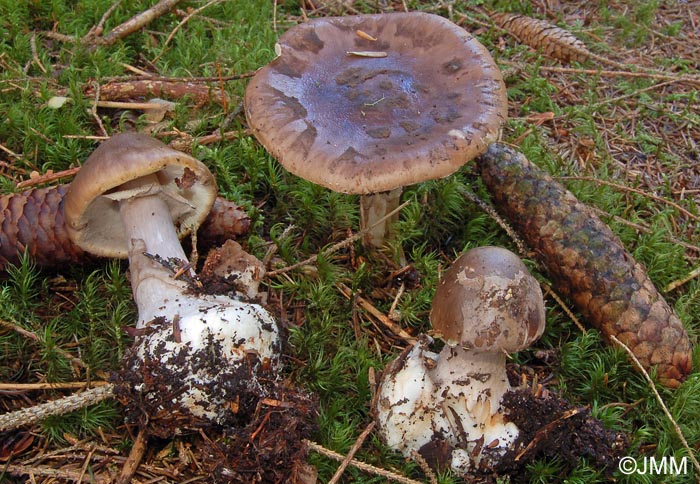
333,343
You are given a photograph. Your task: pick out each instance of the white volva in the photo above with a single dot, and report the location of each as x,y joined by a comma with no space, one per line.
452,397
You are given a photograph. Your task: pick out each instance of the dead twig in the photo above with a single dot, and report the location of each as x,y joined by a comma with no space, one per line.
624,188
677,283
339,245
126,90
549,291
30,415
381,317
48,177
637,92
643,229
23,387
370,469
35,55
34,337
393,314
133,24
51,471
424,466
94,38
181,23
135,456
620,73
97,30
93,111
353,450
544,431
491,212
10,152
199,79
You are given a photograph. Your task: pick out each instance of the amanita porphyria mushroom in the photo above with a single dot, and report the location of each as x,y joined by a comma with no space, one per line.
447,406
367,104
134,196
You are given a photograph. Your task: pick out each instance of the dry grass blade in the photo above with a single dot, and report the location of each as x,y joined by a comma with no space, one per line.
665,409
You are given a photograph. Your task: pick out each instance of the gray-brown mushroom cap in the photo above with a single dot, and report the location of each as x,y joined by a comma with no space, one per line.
92,203
487,300
358,115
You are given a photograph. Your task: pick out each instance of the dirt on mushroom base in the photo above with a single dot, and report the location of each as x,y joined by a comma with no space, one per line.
260,437
550,427
553,428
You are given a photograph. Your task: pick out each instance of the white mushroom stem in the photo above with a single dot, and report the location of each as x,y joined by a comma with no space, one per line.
475,375
146,218
427,400
202,337
373,208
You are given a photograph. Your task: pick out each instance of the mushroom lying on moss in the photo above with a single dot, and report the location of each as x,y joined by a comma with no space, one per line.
447,406
134,196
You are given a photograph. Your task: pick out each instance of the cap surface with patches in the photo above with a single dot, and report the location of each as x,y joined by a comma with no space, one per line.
369,103
488,301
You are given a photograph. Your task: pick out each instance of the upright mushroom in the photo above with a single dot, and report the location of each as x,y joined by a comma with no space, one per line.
134,196
367,104
447,406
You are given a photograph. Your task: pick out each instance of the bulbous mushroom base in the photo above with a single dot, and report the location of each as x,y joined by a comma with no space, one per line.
449,421
211,373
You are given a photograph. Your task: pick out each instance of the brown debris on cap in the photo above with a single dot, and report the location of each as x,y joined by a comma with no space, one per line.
92,202
413,99
487,300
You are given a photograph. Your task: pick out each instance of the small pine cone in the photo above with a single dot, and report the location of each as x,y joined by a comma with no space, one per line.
554,41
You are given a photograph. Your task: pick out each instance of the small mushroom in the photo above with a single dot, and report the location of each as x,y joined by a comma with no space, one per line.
134,196
368,104
447,405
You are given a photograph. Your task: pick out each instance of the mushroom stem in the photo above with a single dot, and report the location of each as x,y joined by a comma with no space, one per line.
474,375
446,406
374,207
147,217
149,228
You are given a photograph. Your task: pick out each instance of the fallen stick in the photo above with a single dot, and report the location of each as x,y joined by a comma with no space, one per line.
30,415
133,24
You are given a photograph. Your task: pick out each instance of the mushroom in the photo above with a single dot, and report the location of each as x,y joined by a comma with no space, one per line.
368,104
133,197
447,405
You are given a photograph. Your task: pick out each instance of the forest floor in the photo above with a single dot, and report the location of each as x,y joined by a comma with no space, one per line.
619,128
